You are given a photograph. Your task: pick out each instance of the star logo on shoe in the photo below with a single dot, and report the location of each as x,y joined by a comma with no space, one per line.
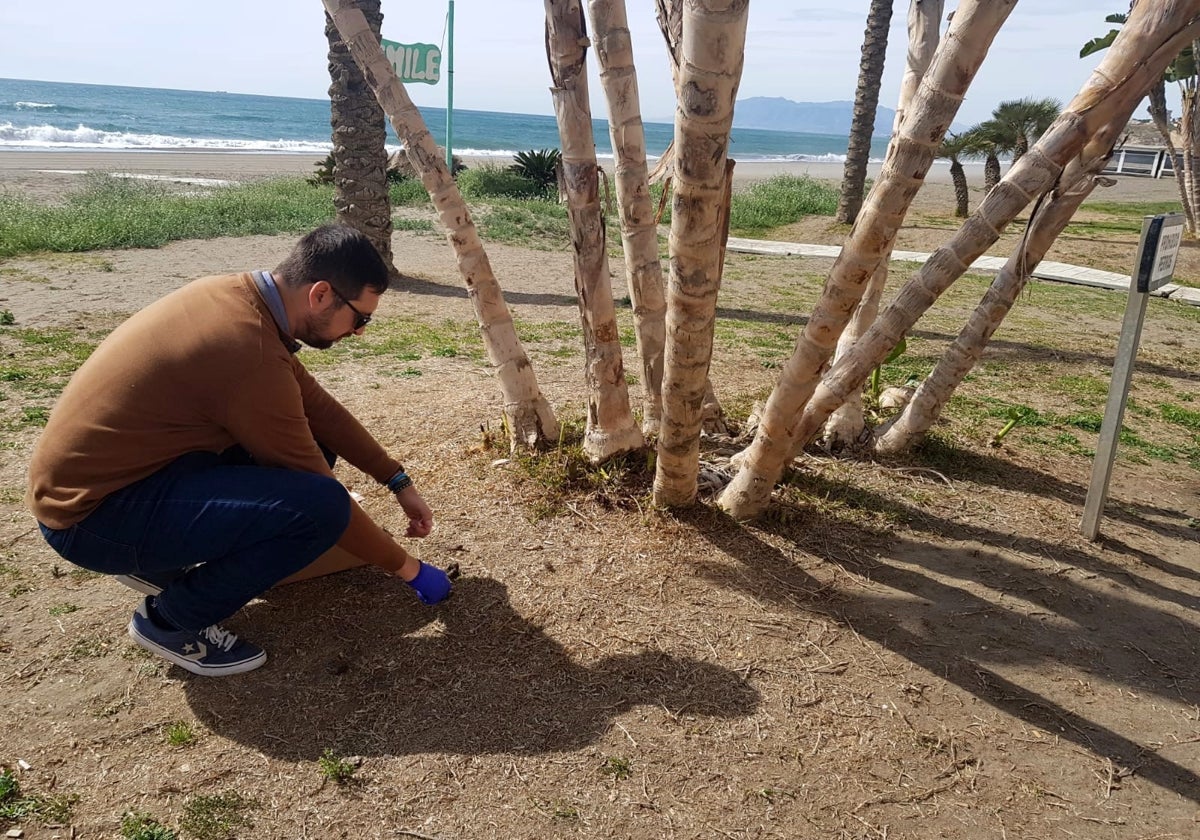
195,651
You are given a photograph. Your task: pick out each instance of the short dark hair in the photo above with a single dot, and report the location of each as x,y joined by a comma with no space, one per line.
339,255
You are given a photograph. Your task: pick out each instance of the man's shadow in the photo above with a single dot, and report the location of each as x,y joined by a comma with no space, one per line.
359,666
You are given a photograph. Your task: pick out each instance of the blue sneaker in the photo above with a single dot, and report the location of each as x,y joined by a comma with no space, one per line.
212,652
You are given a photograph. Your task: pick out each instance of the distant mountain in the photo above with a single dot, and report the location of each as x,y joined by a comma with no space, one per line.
774,113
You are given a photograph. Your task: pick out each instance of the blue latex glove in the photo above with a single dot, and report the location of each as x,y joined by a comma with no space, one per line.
431,583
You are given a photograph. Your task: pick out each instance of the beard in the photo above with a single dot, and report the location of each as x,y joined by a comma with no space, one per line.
312,332
317,343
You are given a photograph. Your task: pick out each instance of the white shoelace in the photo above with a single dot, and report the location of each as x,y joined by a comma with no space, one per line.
219,636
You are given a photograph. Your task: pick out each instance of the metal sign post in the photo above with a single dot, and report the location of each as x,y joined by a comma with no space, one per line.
450,88
1154,267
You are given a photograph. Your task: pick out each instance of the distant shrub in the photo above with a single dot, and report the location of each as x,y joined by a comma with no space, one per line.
324,173
539,166
490,181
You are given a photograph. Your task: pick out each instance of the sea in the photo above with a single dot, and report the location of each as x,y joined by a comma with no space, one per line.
57,116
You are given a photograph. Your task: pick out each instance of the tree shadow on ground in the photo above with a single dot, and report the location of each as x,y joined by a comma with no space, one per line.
358,665
958,464
997,348
964,636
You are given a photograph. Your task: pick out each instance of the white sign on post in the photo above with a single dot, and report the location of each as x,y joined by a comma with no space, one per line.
414,62
1154,267
1163,265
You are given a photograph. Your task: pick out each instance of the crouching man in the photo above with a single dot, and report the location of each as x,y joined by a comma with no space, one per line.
192,454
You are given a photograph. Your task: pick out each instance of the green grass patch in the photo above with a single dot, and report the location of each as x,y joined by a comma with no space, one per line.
779,201
553,480
1179,416
492,181
1153,451
217,817
404,339
115,213
1087,390
408,193
535,224
139,826
16,806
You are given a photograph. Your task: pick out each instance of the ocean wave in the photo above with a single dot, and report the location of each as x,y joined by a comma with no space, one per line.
83,137
26,106
51,138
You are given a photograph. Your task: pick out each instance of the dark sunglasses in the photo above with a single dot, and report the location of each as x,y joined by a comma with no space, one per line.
361,319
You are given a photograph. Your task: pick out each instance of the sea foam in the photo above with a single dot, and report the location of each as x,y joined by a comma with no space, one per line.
48,137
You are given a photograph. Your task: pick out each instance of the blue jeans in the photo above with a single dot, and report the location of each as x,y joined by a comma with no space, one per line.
248,527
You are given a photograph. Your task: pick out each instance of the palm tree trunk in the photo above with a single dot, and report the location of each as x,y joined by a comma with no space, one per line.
710,68
670,23
866,103
1162,121
530,419
1189,128
962,196
360,188
912,152
611,429
847,424
639,233
1020,149
1138,56
1044,228
991,173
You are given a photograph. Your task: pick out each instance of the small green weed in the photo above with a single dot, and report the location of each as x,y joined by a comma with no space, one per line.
558,809
557,478
138,826
63,609
89,647
179,734
7,318
217,817
619,768
336,769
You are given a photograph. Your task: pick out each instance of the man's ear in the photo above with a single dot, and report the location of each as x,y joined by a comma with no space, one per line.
319,294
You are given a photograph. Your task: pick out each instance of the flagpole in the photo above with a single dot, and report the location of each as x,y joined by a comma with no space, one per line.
450,89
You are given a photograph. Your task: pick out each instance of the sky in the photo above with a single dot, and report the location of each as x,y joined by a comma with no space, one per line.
804,50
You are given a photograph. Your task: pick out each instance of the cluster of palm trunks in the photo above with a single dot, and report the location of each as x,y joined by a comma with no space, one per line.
847,335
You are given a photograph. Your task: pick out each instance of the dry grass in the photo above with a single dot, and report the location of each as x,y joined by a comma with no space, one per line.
918,648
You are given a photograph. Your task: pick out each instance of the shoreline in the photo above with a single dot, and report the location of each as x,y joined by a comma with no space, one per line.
236,165
49,174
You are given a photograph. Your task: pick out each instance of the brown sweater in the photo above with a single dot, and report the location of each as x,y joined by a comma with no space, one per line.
199,370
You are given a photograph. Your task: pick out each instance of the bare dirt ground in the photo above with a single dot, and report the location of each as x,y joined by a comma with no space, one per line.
919,648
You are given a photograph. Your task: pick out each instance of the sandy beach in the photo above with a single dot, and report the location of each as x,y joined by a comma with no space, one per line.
45,175
37,170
